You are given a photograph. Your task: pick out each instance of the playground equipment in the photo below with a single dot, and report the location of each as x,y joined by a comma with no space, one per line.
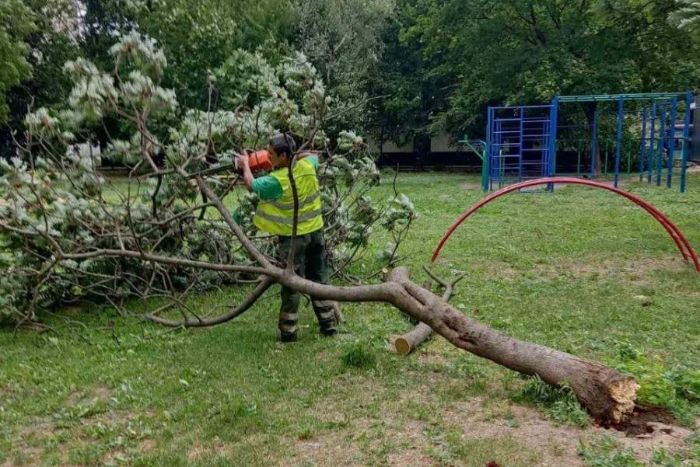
649,131
674,232
480,148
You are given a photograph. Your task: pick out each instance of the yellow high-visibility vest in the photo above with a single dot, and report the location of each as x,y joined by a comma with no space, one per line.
277,217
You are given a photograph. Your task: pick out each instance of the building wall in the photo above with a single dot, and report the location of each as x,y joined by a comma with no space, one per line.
442,142
391,148
84,149
442,152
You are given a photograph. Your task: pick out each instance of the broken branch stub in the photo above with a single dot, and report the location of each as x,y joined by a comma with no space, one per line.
408,342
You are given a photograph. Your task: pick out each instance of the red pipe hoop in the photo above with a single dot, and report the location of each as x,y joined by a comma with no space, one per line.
673,231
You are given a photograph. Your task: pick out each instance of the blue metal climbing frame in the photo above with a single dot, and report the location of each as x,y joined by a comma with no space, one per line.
665,140
523,142
518,143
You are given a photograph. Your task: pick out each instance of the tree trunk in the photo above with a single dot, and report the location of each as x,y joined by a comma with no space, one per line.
607,394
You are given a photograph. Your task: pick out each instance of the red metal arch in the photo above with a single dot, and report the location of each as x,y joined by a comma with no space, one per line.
674,232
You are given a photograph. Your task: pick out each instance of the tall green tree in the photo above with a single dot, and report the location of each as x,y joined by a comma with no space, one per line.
687,17
52,40
343,39
410,79
16,25
197,37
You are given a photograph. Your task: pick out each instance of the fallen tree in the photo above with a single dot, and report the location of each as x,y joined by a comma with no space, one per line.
76,237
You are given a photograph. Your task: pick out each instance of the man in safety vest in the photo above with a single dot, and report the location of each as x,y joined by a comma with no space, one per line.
275,215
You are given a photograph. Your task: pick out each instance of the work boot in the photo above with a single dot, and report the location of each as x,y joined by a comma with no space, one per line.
326,321
287,337
288,326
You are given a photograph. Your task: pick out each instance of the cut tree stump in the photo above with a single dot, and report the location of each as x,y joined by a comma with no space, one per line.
410,341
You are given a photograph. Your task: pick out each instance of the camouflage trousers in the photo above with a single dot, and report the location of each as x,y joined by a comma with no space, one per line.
310,261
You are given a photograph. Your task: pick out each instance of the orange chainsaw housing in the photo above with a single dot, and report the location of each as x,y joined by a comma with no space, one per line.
259,161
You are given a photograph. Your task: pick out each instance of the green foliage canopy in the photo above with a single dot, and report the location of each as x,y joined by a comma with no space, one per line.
16,24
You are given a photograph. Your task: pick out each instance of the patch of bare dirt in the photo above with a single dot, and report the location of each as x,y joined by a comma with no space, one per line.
97,393
558,444
644,419
195,452
329,448
652,428
401,429
636,266
636,270
470,186
659,435
30,438
356,444
362,439
42,430
198,450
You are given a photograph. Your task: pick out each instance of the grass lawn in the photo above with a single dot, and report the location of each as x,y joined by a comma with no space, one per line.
565,269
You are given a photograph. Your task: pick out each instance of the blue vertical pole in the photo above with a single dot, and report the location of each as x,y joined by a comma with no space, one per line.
552,146
495,151
686,138
672,141
491,146
662,141
594,147
642,144
521,147
544,162
652,144
486,163
618,145
499,156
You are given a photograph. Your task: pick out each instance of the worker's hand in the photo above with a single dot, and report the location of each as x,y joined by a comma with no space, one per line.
242,160
243,168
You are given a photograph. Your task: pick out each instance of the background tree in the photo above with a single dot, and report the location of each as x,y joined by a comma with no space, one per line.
16,24
525,51
196,36
407,80
52,41
687,17
342,38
